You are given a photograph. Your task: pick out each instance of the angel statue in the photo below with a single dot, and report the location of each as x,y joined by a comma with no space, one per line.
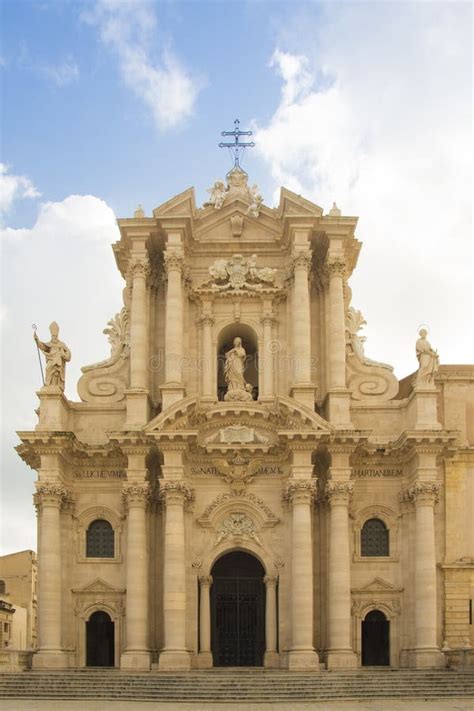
218,194
256,200
57,355
428,359
237,388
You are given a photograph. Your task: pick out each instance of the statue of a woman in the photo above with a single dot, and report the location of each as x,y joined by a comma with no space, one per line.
57,355
237,388
428,359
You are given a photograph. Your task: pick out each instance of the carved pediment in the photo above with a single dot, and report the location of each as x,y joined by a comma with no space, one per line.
98,586
377,585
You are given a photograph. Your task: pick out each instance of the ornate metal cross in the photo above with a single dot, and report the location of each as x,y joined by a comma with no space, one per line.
236,145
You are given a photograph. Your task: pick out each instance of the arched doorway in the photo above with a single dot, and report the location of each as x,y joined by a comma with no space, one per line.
375,640
238,611
100,640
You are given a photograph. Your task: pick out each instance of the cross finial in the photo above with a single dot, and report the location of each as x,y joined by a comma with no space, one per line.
237,145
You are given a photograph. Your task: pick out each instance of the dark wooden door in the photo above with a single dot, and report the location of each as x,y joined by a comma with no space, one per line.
238,613
100,640
375,640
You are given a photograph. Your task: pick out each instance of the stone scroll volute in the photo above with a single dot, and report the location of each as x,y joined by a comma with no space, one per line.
107,381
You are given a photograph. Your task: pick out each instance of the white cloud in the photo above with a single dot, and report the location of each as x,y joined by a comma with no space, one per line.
61,269
62,74
14,187
164,85
389,138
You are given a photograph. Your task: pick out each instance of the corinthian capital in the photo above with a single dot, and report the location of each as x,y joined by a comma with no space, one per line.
139,267
300,491
50,494
301,260
135,494
174,261
339,492
423,492
175,492
335,267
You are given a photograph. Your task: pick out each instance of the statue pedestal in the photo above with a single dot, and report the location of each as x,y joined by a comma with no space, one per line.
304,393
423,408
53,411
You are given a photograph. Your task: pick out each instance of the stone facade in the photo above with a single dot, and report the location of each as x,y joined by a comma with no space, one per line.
354,492
18,577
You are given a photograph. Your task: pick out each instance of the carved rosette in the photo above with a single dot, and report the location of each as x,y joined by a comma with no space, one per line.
174,261
176,492
339,493
336,267
301,260
135,495
51,494
300,491
205,581
422,493
138,268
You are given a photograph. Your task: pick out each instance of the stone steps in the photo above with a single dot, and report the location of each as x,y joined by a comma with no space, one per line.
248,685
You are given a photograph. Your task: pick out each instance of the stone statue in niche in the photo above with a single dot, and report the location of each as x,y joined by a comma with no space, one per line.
234,367
57,355
428,360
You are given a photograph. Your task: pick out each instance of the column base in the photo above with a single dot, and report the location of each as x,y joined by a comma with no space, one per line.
338,408
271,660
342,659
303,660
430,658
304,393
137,408
171,393
136,661
54,659
174,661
204,660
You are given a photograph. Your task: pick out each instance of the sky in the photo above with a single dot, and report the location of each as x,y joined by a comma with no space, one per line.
111,103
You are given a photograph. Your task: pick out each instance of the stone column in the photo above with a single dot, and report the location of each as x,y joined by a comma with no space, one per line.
339,396
48,499
271,653
174,655
137,394
266,364
136,654
209,360
173,389
340,653
205,654
302,654
303,389
427,653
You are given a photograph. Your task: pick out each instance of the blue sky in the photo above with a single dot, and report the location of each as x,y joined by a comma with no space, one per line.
109,103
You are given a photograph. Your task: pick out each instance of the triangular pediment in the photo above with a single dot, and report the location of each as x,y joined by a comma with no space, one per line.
183,204
213,225
377,585
293,204
97,586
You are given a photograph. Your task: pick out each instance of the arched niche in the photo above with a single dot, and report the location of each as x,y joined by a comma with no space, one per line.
225,342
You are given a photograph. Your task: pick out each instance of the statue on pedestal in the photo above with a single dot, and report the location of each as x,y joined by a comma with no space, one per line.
237,388
428,359
57,355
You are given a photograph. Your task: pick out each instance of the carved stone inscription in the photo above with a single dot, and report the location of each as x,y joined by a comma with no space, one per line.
100,474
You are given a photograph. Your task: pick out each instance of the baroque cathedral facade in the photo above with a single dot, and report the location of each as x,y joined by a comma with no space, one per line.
239,484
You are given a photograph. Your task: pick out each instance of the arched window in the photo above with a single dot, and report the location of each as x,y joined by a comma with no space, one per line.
2,587
374,538
100,540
